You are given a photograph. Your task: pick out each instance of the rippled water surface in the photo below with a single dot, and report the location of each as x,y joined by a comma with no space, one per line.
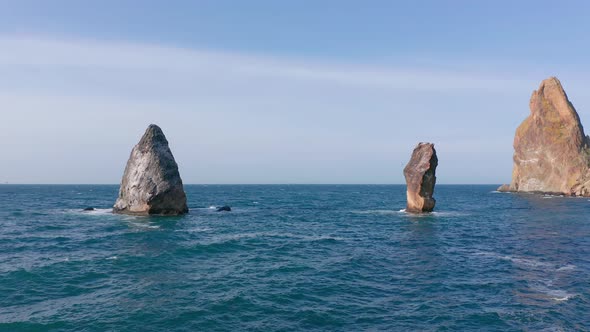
340,258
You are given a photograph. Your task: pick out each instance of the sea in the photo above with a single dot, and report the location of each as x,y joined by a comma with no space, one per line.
294,258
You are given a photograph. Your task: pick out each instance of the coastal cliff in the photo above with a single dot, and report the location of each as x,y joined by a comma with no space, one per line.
151,183
551,151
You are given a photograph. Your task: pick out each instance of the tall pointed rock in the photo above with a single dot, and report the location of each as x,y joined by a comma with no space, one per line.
151,183
420,174
551,151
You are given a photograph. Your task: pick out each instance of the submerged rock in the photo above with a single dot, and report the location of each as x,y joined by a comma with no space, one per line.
551,153
88,209
151,183
420,173
224,208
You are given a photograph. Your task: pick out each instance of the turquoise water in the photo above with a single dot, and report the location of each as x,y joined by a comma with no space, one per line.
290,257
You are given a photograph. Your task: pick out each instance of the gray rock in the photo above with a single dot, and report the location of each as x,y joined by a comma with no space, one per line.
224,208
420,174
151,183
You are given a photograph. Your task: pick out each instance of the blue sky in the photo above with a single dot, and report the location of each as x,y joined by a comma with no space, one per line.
276,91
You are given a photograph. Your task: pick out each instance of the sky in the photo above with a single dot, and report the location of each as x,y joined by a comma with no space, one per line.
279,91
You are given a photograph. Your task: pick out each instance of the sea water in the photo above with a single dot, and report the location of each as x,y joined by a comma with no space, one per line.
294,257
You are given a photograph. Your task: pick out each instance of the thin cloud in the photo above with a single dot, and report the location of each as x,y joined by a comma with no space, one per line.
133,56
243,118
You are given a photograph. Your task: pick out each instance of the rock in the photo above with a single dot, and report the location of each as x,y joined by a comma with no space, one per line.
88,209
551,153
504,188
151,183
224,208
420,175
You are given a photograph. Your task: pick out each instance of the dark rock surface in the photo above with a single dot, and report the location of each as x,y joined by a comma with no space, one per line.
224,208
420,173
88,209
151,183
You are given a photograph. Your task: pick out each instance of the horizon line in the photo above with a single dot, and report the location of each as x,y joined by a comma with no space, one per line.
252,184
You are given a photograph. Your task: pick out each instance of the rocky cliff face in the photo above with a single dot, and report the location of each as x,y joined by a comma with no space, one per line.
420,173
151,183
551,151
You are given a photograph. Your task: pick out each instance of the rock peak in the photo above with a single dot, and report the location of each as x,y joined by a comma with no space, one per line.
550,147
151,183
153,135
551,98
551,81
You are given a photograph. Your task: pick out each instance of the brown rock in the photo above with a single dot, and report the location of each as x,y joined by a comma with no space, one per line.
504,188
420,173
151,183
551,152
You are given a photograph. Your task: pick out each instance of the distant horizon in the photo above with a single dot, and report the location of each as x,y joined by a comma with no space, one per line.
254,184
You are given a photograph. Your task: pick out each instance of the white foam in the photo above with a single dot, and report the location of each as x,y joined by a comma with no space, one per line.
307,238
558,295
319,238
113,258
377,211
99,211
143,225
528,262
519,261
92,212
194,230
568,267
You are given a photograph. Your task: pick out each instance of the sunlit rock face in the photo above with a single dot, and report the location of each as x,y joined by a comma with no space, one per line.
151,183
551,153
420,174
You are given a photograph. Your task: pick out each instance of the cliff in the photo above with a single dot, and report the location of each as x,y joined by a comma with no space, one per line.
551,153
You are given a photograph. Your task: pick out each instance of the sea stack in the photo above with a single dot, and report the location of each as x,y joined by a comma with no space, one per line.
151,183
420,175
551,153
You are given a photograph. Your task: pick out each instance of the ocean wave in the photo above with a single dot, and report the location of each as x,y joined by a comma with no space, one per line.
558,295
529,262
413,215
142,225
253,235
95,212
378,212
194,230
568,267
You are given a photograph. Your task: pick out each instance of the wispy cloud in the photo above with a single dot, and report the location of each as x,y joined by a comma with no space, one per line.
133,56
244,117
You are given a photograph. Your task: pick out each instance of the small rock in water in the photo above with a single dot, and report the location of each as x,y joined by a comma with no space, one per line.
420,174
224,208
151,183
504,188
88,209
